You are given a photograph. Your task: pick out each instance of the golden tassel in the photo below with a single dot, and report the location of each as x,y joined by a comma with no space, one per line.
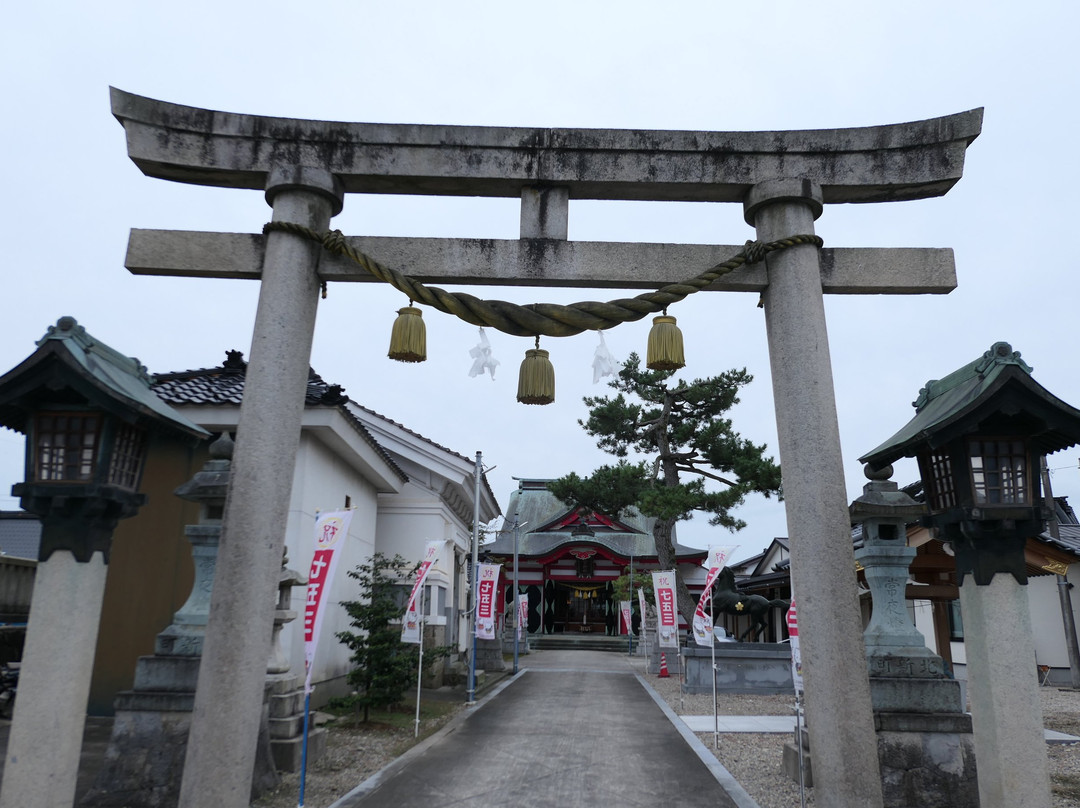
536,377
408,339
665,345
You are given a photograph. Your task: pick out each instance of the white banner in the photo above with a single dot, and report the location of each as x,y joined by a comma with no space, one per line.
703,624
485,601
331,528
523,614
410,622
667,620
624,608
796,654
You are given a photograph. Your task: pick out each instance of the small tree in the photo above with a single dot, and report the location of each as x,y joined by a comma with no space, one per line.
620,587
385,666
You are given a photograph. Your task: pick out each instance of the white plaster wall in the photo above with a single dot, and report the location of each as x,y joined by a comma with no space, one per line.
924,622
409,520
1046,618
322,481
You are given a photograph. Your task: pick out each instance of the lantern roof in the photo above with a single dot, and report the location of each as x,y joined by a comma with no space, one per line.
997,382
71,365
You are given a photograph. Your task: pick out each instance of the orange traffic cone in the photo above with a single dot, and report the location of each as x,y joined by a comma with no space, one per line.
663,666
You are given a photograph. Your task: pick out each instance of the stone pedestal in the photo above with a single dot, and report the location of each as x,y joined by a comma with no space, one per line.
741,667
286,710
790,761
489,655
144,761
925,759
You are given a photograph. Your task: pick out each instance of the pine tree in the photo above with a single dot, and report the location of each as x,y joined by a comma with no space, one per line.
681,431
385,666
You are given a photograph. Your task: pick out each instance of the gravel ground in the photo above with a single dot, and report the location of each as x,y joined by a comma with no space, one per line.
755,760
353,755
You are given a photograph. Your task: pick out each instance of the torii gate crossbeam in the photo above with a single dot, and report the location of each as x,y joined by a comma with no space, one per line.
783,179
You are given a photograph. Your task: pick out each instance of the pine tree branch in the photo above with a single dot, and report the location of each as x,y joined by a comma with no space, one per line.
692,469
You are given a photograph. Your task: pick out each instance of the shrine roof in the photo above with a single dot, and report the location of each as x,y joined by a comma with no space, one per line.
548,524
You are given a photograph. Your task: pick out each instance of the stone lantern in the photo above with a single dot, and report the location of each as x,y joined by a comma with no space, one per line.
89,416
925,746
978,434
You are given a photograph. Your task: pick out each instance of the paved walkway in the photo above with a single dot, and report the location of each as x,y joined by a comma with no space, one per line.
572,729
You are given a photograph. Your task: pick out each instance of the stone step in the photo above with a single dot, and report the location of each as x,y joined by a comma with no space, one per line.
583,642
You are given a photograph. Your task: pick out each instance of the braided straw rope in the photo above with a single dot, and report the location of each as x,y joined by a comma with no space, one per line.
540,319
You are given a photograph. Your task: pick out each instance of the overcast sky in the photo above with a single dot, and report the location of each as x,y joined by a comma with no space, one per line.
71,195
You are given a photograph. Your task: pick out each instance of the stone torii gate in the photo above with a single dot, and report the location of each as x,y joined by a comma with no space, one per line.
782,179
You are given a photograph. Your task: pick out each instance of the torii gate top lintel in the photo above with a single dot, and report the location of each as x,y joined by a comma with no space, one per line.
866,164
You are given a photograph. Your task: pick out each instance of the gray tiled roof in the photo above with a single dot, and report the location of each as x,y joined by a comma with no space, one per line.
537,508
638,545
1070,539
20,534
224,385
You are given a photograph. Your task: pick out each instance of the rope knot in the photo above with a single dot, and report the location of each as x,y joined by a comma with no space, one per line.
334,242
754,251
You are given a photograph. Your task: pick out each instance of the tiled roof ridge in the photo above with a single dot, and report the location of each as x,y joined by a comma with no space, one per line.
412,432
233,371
415,434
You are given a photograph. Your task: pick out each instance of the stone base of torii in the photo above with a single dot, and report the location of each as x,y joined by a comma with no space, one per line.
782,179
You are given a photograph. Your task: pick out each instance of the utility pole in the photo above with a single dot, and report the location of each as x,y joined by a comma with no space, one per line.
470,692
1064,595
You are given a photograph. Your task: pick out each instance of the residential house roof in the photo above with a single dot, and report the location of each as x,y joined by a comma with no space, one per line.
20,534
224,385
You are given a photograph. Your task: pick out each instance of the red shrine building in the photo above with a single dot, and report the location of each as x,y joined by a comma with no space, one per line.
568,558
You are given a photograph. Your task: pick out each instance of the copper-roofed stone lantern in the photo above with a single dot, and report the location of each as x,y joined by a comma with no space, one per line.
978,435
89,416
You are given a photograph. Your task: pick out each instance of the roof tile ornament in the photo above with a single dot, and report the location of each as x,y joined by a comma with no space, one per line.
1000,353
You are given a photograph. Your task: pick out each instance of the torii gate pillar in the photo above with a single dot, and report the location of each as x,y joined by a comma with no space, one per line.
226,717
822,558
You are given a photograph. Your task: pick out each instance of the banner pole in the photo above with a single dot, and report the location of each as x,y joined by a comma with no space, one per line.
331,529
419,667
303,747
630,621
712,647
517,615
798,736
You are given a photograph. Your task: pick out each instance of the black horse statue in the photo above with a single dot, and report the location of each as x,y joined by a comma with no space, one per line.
728,600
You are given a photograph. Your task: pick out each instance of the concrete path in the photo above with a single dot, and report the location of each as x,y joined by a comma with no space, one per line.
572,729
